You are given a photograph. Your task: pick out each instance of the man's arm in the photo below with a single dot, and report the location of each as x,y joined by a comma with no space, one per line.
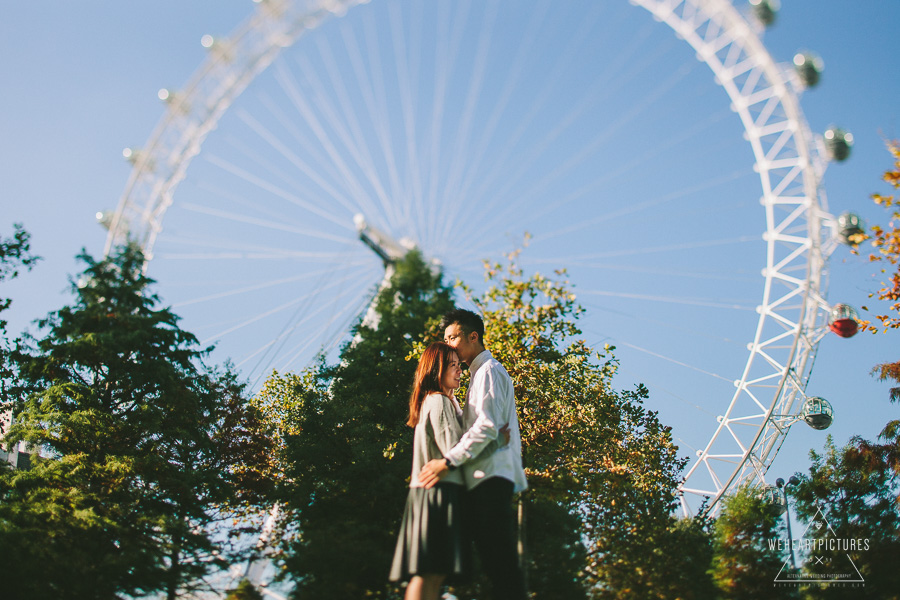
485,396
435,469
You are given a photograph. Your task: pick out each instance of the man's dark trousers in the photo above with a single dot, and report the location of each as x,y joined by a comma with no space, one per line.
490,517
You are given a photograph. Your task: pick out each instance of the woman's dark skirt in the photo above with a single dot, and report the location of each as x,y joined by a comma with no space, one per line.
432,540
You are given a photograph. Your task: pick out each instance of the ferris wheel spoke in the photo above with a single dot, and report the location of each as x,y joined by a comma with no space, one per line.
447,43
675,361
649,250
539,188
334,283
590,149
412,191
630,207
219,249
266,285
262,205
265,223
462,146
317,336
511,166
661,388
374,100
314,173
274,254
477,155
267,185
331,150
668,299
339,325
350,134
700,334
674,273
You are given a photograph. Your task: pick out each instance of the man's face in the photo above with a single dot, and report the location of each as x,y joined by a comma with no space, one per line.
466,346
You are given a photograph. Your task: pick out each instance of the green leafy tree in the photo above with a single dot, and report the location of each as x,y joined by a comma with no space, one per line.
244,591
856,494
143,450
747,557
603,471
685,568
345,447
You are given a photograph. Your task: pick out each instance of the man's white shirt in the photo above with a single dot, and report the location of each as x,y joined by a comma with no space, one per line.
490,404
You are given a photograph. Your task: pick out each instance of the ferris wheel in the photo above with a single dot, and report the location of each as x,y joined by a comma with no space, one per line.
406,126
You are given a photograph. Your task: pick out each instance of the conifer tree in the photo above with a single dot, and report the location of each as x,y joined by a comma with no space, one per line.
142,449
15,254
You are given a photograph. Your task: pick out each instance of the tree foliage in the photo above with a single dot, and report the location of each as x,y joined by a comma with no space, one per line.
594,454
244,591
345,448
15,255
886,244
746,559
142,449
856,494
603,471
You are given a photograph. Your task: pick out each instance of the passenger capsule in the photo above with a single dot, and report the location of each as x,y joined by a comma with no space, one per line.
843,320
774,499
817,413
850,228
838,143
809,68
765,11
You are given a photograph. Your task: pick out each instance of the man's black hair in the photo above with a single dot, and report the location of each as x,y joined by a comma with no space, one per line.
467,320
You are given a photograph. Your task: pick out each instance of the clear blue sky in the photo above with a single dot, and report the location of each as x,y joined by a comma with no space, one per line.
80,83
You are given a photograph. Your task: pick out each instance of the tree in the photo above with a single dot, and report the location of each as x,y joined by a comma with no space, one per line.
747,557
875,456
244,591
856,497
603,472
886,242
15,254
345,447
143,450
594,454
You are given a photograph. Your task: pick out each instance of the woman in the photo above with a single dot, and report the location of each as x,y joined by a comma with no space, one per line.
431,544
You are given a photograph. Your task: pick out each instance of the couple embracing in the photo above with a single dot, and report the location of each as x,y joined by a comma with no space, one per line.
467,465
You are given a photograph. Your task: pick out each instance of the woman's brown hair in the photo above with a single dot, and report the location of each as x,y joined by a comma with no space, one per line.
428,377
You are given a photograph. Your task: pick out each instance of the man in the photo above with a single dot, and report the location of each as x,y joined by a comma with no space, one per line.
492,477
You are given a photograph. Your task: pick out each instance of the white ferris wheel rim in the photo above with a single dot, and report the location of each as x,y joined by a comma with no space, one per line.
761,93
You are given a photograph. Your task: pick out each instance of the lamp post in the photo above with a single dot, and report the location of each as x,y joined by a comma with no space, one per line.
787,512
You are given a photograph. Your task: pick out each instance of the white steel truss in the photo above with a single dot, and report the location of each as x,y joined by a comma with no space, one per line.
793,312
